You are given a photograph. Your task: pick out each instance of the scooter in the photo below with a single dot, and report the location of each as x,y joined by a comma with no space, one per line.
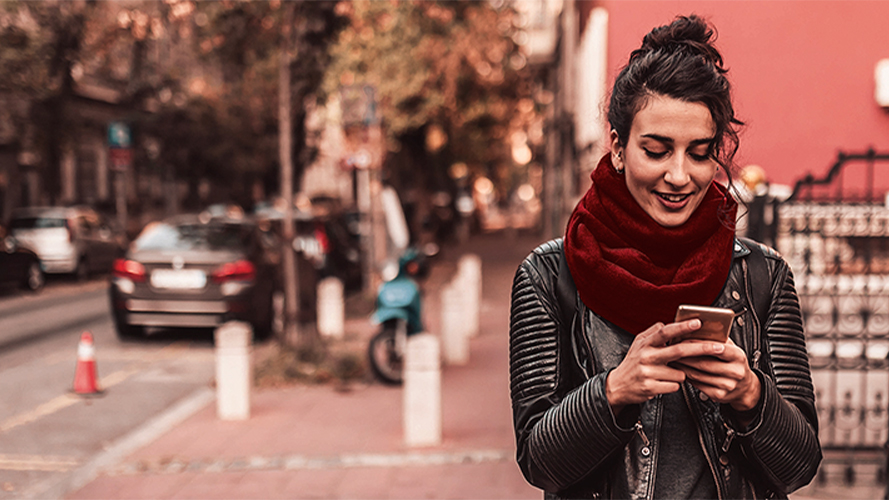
397,312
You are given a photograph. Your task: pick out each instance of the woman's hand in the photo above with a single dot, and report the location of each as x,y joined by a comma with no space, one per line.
646,372
724,377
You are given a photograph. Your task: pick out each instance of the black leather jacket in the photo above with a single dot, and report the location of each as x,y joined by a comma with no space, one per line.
571,445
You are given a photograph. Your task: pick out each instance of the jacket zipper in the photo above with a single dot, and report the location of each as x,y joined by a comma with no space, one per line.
641,433
647,444
729,436
757,353
653,466
701,441
586,339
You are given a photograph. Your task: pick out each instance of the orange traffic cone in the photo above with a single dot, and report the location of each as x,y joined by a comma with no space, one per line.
85,376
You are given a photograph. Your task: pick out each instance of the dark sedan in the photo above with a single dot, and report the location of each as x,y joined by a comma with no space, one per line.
195,271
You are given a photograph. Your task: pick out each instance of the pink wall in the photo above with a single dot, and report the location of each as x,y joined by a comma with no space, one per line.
802,71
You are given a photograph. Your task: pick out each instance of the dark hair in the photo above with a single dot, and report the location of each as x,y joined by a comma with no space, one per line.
678,61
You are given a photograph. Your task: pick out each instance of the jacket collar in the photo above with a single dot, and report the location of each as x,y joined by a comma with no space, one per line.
739,249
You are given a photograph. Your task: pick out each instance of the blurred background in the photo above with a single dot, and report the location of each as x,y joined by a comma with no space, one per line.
294,125
481,115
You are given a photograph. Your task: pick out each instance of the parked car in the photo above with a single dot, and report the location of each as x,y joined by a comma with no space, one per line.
328,238
195,271
344,258
19,266
68,240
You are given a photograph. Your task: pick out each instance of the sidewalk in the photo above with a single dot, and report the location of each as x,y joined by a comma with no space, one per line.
316,442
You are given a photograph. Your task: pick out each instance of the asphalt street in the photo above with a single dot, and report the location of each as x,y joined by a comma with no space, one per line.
49,435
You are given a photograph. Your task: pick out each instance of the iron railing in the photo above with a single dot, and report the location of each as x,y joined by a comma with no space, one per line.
837,244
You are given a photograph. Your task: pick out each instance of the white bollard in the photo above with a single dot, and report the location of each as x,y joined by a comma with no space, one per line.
233,374
331,308
422,391
454,325
469,272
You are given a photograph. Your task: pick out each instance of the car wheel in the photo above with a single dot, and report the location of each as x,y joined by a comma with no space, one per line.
34,278
127,332
82,273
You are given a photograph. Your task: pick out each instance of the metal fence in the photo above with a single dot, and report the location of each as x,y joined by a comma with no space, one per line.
838,248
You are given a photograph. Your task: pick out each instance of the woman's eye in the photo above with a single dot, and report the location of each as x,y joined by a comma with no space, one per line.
655,154
700,157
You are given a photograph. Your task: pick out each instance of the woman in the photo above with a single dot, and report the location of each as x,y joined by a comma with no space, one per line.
604,404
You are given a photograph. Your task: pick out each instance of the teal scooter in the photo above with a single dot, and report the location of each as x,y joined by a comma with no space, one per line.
397,312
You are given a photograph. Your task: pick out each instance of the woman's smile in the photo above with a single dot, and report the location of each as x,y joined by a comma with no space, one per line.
674,201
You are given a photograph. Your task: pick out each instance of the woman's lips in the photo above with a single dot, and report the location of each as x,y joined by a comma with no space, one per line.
673,201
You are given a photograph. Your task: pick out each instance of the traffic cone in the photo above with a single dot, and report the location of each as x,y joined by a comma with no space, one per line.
85,376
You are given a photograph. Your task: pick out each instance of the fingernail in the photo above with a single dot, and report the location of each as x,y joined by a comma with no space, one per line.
695,323
718,348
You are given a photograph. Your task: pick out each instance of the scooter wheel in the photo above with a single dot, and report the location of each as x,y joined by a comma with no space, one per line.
386,362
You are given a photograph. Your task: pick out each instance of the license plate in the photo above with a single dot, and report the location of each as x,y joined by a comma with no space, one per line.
183,279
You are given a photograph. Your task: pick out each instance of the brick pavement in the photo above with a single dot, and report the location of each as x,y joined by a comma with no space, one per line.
316,442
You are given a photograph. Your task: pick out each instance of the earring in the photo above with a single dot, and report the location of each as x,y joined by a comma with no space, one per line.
619,157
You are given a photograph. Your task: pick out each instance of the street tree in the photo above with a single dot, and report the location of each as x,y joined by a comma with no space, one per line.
40,45
265,49
451,82
237,45
51,51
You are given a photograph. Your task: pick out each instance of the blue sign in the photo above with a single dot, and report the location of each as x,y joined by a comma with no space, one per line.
119,135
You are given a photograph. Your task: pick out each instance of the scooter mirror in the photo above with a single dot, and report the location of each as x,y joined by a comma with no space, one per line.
430,249
389,271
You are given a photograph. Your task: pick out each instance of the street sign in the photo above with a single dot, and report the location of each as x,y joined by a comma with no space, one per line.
119,135
120,141
121,159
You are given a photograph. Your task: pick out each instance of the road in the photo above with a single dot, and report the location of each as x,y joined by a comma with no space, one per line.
50,438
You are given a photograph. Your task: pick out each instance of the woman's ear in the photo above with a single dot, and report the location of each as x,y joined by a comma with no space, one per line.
617,150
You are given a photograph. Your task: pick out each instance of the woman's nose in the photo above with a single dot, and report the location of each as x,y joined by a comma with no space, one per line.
677,171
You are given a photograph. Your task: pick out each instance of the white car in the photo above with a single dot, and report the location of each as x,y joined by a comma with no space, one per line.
68,240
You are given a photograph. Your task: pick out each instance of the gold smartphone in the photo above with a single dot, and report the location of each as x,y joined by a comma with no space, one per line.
716,322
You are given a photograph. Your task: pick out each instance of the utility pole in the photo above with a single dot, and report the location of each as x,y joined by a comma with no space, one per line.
290,335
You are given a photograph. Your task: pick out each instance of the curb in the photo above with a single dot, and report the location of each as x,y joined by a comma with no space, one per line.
304,462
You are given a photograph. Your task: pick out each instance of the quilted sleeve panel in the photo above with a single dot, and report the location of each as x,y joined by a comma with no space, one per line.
784,444
532,342
562,433
787,347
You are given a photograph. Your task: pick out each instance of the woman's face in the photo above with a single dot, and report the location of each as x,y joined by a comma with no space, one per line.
667,160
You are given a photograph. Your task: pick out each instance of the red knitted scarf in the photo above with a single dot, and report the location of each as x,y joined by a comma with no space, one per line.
634,272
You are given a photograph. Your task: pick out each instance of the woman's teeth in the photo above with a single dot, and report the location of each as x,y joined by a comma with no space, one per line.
674,198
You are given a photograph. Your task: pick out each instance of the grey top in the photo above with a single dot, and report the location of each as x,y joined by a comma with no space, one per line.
682,470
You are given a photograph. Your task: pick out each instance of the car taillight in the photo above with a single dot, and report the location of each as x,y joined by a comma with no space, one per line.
130,269
242,270
321,236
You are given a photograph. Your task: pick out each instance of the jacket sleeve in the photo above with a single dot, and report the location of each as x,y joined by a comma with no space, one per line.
563,433
782,442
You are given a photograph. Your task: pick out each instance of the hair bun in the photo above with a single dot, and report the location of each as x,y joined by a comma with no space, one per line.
687,33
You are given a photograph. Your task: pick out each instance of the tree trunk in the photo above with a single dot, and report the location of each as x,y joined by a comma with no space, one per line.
290,335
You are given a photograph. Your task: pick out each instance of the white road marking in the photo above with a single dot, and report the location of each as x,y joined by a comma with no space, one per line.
65,400
37,463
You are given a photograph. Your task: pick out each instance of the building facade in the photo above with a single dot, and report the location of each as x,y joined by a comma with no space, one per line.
804,74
